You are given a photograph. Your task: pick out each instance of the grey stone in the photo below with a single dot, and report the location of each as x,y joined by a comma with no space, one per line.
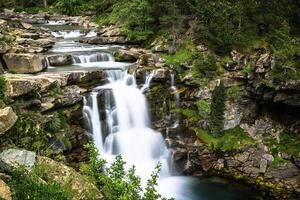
13,158
263,166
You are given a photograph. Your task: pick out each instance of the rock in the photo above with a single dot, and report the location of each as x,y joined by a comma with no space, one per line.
162,74
262,63
269,158
202,48
80,185
122,55
33,36
26,25
26,84
263,166
24,63
70,95
13,158
233,115
5,192
7,119
297,161
60,60
107,40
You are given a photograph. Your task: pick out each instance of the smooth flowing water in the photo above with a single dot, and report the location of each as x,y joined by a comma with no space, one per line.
117,117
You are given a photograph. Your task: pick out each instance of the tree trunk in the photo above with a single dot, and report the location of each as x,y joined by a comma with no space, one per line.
45,3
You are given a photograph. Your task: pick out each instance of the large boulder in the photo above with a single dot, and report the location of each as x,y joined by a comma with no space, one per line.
60,60
24,63
7,119
13,158
125,56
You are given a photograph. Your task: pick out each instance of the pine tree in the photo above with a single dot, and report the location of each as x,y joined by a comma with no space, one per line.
216,122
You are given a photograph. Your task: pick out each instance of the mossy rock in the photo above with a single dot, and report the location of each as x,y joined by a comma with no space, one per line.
69,179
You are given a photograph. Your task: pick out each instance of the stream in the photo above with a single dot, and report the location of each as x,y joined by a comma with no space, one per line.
116,114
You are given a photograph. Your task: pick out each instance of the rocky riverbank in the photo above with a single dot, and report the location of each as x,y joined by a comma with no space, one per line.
264,113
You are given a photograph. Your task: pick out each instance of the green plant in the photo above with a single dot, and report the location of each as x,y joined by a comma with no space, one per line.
203,109
116,182
233,93
232,139
27,185
2,89
216,119
205,65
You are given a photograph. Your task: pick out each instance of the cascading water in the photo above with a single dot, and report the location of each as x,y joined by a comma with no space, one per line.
95,57
67,34
128,129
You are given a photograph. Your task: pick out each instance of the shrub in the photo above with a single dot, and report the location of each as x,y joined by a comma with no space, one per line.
216,120
27,185
116,182
203,109
205,65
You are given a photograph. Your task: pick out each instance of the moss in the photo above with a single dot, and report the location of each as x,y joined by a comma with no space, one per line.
233,139
278,161
233,93
203,108
191,115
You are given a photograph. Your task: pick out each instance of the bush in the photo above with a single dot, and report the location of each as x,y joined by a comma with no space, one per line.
116,182
203,109
216,120
69,7
232,139
27,185
205,65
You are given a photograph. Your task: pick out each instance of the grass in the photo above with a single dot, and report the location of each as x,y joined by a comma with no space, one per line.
232,139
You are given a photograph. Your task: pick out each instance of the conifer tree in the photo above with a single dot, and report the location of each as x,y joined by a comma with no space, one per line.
216,121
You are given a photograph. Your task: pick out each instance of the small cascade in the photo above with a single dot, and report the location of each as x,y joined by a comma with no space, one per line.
149,77
91,34
95,57
176,100
127,125
67,34
56,22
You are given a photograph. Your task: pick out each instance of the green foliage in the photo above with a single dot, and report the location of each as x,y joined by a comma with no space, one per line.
203,109
27,185
57,123
2,89
116,182
233,93
205,65
69,7
216,119
191,115
29,133
232,139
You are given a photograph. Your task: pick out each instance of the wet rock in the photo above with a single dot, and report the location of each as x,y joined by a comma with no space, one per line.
13,158
24,63
60,60
297,161
7,119
5,192
122,55
81,187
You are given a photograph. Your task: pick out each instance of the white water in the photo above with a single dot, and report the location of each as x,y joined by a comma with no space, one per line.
67,34
149,77
95,57
91,34
56,22
128,126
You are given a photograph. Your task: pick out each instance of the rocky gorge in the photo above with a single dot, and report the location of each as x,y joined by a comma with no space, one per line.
262,111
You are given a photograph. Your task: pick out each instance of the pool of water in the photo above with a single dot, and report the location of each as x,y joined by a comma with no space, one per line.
191,188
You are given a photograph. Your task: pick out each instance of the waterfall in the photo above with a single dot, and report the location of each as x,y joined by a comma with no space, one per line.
149,77
127,123
176,96
96,57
